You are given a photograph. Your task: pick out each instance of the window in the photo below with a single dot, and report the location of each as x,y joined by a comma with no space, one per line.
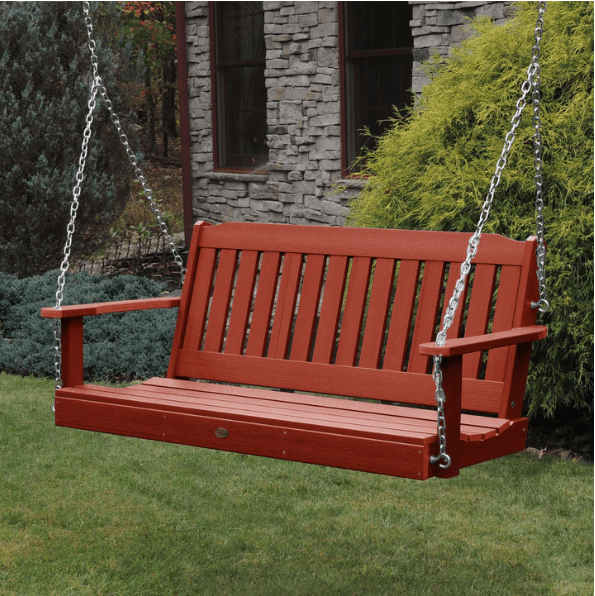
376,70
238,83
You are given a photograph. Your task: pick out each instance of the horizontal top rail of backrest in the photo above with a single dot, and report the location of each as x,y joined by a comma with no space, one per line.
361,242
341,310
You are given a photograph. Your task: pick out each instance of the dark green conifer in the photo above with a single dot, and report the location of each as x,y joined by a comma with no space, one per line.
44,89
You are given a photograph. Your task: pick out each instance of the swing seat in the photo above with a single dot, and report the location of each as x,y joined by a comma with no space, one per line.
347,317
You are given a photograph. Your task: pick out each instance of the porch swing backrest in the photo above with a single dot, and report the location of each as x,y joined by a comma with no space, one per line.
343,311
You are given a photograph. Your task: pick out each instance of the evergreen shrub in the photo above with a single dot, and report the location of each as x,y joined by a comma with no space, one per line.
118,346
432,169
44,92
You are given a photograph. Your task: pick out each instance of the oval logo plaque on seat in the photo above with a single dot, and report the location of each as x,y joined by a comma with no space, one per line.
221,433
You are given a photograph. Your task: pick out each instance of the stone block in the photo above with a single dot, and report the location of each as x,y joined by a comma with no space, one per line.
308,19
295,176
328,57
325,120
277,218
421,54
276,93
324,30
263,192
428,41
277,63
332,208
327,15
330,164
283,31
306,7
330,42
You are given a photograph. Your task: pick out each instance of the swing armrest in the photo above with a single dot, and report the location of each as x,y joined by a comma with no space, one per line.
100,308
71,319
478,343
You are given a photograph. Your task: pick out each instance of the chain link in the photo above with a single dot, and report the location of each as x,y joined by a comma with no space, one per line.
97,86
532,83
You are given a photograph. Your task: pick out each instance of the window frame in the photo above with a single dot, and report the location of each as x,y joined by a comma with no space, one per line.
220,156
347,94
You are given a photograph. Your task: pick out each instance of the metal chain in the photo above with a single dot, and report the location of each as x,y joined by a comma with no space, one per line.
97,86
532,83
542,304
80,176
124,140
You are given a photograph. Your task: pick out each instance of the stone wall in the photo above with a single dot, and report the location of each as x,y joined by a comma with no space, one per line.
437,26
303,183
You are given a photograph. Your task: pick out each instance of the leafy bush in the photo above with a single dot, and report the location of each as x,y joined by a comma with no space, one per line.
433,169
119,346
44,90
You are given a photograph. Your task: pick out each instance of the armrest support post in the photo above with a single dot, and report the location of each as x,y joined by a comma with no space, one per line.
72,352
452,383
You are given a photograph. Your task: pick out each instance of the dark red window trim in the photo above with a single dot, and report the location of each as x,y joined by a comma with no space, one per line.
184,108
217,161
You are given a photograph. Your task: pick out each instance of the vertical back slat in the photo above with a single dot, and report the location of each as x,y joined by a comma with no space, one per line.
353,315
263,304
217,322
242,301
331,309
308,308
402,314
199,302
377,313
503,318
453,276
285,308
478,316
427,312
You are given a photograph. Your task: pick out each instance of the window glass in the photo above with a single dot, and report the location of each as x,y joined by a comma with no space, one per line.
378,65
240,86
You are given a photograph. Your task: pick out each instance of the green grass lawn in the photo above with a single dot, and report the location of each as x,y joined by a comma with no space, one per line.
89,514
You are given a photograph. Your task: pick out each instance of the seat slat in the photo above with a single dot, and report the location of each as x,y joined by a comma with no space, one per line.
374,333
330,312
263,304
308,308
242,301
400,325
